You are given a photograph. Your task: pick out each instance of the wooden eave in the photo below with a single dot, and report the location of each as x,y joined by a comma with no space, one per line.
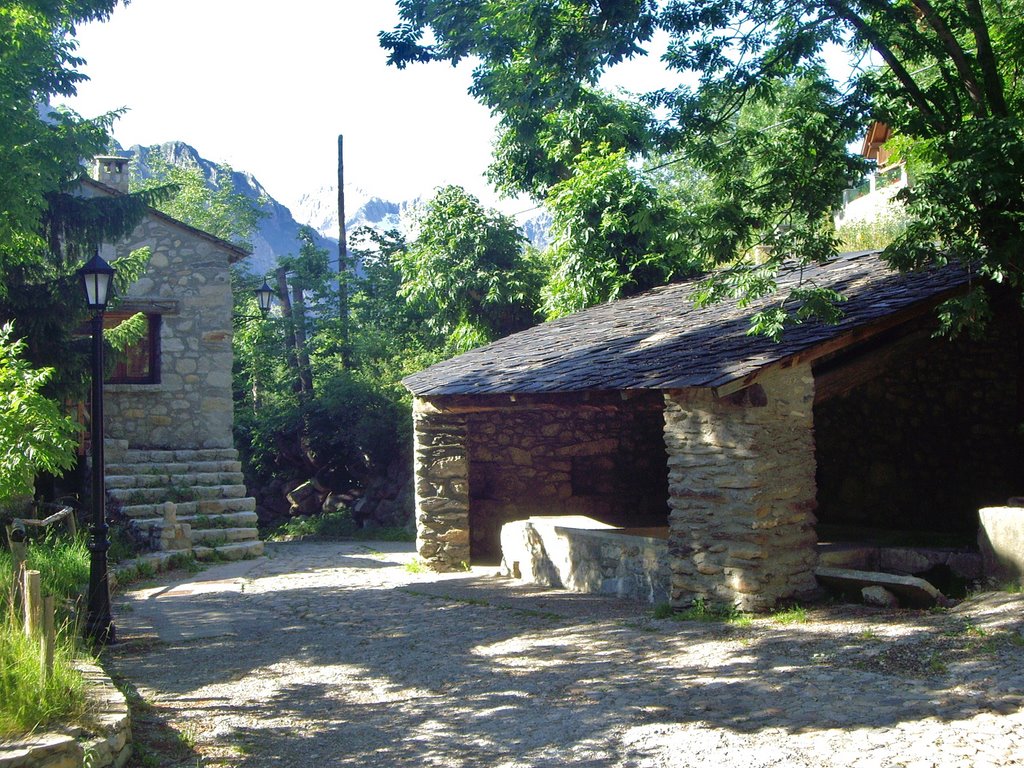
854,336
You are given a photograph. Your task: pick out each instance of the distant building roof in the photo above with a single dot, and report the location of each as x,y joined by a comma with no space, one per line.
874,142
660,340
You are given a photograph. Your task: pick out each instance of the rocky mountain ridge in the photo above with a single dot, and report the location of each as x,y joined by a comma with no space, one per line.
277,231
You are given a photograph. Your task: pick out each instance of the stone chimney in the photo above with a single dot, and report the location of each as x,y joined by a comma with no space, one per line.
112,171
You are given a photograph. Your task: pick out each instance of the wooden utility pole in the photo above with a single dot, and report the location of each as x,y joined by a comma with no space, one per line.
343,266
289,336
301,353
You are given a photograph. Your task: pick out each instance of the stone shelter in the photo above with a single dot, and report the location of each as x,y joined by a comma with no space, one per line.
738,453
168,405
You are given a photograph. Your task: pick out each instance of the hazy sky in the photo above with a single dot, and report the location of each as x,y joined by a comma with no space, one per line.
267,88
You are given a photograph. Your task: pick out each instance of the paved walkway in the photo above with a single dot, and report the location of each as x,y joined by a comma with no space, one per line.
339,654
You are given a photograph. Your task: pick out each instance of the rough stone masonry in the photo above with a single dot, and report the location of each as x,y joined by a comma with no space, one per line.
742,492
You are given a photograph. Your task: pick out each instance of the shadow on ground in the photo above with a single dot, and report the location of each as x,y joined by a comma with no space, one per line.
373,665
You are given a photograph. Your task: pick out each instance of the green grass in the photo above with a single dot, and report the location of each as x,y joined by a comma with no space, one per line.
795,614
335,525
702,610
27,702
63,566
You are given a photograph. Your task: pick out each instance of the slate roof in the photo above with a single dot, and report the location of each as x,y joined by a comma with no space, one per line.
660,340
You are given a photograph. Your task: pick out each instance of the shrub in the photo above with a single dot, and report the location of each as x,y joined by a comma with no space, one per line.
26,701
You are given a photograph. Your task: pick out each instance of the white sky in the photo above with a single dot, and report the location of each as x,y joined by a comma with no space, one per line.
267,88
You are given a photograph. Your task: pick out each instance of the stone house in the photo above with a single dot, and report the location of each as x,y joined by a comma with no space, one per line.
737,452
168,406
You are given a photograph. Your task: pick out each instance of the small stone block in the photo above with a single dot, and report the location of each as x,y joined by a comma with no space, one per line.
879,596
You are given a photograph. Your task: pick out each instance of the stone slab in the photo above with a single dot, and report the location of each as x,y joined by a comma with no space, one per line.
585,555
912,591
1001,541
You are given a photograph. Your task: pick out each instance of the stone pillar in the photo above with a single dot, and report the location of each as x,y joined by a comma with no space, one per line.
742,492
442,487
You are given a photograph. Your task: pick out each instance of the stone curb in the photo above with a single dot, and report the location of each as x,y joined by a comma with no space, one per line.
104,734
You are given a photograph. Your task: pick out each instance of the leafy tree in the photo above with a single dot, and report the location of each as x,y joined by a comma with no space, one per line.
391,337
540,148
34,436
949,83
468,269
613,234
46,229
214,207
40,149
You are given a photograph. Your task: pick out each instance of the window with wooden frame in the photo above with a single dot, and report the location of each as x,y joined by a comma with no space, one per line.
140,363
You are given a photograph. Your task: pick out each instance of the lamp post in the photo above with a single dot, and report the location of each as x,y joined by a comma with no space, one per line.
97,276
264,297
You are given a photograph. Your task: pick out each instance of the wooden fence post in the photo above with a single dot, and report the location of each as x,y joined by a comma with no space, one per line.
16,539
33,603
48,639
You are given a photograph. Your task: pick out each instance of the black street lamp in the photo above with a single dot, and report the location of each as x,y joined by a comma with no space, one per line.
264,296
97,277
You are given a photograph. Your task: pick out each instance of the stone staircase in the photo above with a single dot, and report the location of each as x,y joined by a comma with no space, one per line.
185,500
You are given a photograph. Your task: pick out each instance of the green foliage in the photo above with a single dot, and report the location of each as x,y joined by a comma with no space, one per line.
62,562
46,229
215,207
34,435
662,611
468,271
331,525
351,426
871,235
794,614
29,701
416,566
613,234
26,702
758,124
541,149
702,610
43,156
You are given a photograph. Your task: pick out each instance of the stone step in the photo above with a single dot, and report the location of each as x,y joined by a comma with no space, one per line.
170,467
237,551
176,480
208,507
133,496
204,522
158,561
213,537
236,520
139,456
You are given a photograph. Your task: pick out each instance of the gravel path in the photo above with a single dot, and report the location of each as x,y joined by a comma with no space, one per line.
339,654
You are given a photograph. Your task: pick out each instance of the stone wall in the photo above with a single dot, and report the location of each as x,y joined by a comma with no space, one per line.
742,492
441,467
602,459
928,436
583,555
188,284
